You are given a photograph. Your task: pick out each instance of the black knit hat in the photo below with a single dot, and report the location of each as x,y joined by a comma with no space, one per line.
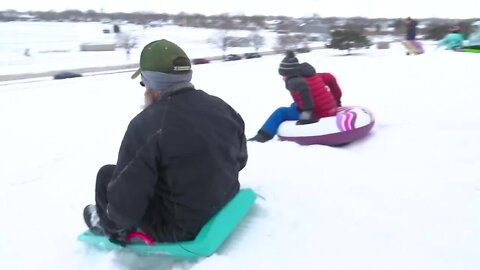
288,64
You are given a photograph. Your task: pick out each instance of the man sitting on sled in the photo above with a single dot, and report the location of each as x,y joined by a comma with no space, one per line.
179,160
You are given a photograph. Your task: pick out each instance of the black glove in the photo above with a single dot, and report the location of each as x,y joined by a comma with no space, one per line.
306,117
119,238
115,233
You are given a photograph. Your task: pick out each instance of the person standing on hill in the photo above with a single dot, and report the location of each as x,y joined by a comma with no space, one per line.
411,29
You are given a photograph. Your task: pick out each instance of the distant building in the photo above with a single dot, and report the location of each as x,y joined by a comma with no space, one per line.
252,26
155,24
119,22
341,22
272,24
315,27
26,18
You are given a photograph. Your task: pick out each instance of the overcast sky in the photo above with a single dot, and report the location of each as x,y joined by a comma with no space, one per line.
293,8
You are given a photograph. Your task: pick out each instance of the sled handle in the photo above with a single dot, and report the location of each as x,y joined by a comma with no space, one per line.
142,236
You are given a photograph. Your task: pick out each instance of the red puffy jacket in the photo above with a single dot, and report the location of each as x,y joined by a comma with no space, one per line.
316,92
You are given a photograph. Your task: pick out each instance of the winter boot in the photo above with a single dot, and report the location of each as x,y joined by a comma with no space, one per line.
262,136
92,219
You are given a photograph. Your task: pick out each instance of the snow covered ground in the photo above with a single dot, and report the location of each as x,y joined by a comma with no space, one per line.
56,46
405,197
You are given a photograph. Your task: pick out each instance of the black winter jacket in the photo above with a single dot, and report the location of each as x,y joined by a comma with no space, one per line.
178,164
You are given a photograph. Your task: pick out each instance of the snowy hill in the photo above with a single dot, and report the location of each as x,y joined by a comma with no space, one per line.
405,197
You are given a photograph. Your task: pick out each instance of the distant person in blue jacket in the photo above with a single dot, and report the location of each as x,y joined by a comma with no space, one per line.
474,38
453,40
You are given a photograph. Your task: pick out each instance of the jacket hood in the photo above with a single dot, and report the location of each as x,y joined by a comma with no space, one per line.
306,70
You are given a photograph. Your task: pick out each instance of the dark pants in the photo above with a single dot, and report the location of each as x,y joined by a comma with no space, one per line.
153,223
104,176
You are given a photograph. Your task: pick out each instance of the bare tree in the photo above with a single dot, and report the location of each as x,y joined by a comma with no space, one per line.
257,40
126,41
290,42
221,40
300,39
283,43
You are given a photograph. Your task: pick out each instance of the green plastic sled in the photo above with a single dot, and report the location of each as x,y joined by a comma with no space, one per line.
472,50
208,240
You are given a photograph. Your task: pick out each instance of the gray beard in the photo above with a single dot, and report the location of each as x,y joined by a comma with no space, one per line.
148,100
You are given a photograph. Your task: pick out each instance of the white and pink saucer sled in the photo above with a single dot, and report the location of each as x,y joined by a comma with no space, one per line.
351,123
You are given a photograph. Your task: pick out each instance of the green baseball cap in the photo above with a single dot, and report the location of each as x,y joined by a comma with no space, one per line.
163,56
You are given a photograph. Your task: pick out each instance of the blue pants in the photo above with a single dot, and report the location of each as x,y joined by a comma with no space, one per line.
278,116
